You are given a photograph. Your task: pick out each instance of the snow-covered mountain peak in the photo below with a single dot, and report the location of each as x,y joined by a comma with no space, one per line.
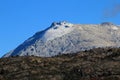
63,37
57,29
55,25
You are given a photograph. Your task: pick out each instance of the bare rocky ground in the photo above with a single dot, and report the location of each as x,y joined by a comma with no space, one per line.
94,64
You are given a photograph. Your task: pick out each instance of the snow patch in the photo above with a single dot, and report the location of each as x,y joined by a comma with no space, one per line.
114,28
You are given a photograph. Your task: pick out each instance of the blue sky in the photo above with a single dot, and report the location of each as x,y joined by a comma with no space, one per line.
20,19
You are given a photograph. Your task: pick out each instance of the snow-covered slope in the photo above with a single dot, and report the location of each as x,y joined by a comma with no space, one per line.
57,30
64,37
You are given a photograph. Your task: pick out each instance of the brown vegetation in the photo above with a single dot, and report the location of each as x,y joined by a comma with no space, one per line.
95,64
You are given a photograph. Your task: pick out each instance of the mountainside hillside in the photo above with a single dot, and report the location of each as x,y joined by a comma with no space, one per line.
94,64
64,37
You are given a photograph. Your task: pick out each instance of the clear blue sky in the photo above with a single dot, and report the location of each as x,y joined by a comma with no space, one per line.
20,19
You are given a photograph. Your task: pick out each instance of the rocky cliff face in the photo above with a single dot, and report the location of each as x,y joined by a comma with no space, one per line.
64,37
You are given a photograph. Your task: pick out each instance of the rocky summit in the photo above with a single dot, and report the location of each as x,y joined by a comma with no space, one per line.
64,37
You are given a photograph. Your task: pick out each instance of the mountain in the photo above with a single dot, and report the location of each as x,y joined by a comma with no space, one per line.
93,64
64,37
